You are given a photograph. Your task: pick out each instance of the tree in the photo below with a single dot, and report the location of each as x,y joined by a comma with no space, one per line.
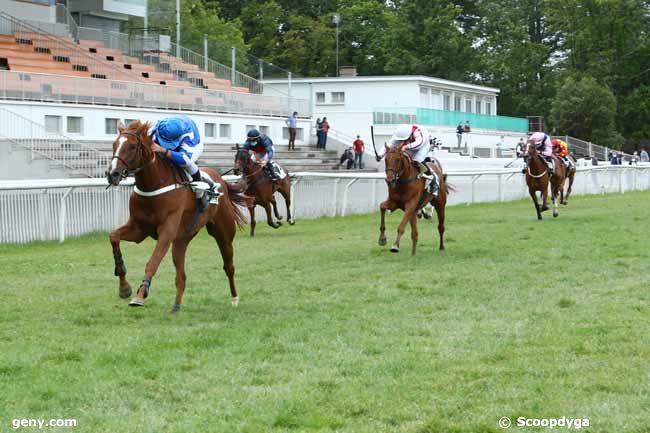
586,109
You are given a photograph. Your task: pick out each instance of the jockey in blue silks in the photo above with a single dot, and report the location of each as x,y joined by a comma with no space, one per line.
178,139
262,152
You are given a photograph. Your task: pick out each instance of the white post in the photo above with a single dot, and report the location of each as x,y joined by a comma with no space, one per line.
205,51
289,86
293,197
500,189
62,215
146,19
178,28
233,65
335,196
345,195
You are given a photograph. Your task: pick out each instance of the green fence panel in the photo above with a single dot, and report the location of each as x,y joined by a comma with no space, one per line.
428,116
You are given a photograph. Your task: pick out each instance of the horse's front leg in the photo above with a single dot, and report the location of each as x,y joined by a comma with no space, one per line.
179,248
131,233
166,235
555,193
253,223
286,193
383,207
275,209
409,213
533,195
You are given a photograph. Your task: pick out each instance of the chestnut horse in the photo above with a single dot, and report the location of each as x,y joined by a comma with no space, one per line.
537,179
260,187
406,191
163,207
570,176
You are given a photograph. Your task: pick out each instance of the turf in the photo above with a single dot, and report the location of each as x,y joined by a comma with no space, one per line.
540,319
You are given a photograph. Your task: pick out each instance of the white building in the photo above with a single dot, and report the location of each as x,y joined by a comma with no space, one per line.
351,104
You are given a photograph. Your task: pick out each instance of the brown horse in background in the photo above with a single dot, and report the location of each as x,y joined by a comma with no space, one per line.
262,189
570,176
168,215
406,191
537,179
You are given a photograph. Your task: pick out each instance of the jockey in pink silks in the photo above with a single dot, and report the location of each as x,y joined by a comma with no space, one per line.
542,143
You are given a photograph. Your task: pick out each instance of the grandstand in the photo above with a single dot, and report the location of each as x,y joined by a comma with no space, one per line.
64,88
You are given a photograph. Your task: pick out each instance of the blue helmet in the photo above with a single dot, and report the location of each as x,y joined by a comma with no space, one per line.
169,131
253,134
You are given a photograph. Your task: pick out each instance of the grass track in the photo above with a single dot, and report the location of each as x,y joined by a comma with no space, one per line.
333,333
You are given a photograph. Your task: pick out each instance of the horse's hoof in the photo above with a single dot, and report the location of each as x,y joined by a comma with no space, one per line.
426,216
555,214
564,203
291,222
136,302
544,208
382,242
176,308
279,217
539,217
234,301
124,294
394,249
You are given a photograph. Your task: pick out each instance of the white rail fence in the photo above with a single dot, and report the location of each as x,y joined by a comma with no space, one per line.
32,210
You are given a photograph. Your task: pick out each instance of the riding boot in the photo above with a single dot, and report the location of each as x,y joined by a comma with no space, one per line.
551,165
202,198
432,184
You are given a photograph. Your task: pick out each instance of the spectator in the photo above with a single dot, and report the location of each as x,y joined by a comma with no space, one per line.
358,152
644,156
319,133
635,158
616,159
500,145
292,122
594,160
459,133
325,127
520,149
466,131
347,158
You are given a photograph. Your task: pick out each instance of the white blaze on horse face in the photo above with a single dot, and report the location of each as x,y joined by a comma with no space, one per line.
122,140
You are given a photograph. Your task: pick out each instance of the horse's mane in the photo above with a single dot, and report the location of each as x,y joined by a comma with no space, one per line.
137,127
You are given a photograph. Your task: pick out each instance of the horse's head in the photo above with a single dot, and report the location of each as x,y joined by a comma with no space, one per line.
397,163
131,151
530,151
242,160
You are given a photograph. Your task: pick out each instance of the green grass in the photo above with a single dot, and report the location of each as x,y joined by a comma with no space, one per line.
335,334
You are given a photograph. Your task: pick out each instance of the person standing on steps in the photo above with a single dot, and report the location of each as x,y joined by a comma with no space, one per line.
292,123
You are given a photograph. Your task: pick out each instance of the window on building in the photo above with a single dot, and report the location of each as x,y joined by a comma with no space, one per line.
320,97
110,126
488,108
53,124
447,102
210,130
74,125
224,131
249,127
425,99
338,97
478,106
265,129
468,105
457,103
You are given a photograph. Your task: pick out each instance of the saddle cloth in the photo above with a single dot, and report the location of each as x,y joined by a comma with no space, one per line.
278,169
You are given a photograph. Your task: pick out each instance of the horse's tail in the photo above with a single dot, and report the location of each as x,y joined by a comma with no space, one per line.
449,187
238,200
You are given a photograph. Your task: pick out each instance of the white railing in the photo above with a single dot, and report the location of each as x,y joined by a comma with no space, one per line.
74,157
25,86
55,209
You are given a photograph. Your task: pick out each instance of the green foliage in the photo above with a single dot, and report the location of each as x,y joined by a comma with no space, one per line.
341,335
583,108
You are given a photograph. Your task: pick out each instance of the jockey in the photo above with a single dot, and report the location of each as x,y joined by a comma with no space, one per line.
542,143
561,149
414,140
262,148
178,139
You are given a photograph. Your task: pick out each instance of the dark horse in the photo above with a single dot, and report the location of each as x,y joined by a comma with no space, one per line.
260,187
163,207
406,191
537,179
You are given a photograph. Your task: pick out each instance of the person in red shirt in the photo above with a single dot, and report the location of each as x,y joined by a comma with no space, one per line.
358,152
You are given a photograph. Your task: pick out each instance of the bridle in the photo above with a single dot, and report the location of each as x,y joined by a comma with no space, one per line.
127,171
244,161
400,172
536,154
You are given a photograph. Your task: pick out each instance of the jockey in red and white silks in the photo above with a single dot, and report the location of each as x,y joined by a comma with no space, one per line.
417,142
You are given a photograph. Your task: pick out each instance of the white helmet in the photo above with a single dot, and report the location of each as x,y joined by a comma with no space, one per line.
403,132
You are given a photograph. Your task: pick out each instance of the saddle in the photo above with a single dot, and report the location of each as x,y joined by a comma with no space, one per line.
278,169
203,187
